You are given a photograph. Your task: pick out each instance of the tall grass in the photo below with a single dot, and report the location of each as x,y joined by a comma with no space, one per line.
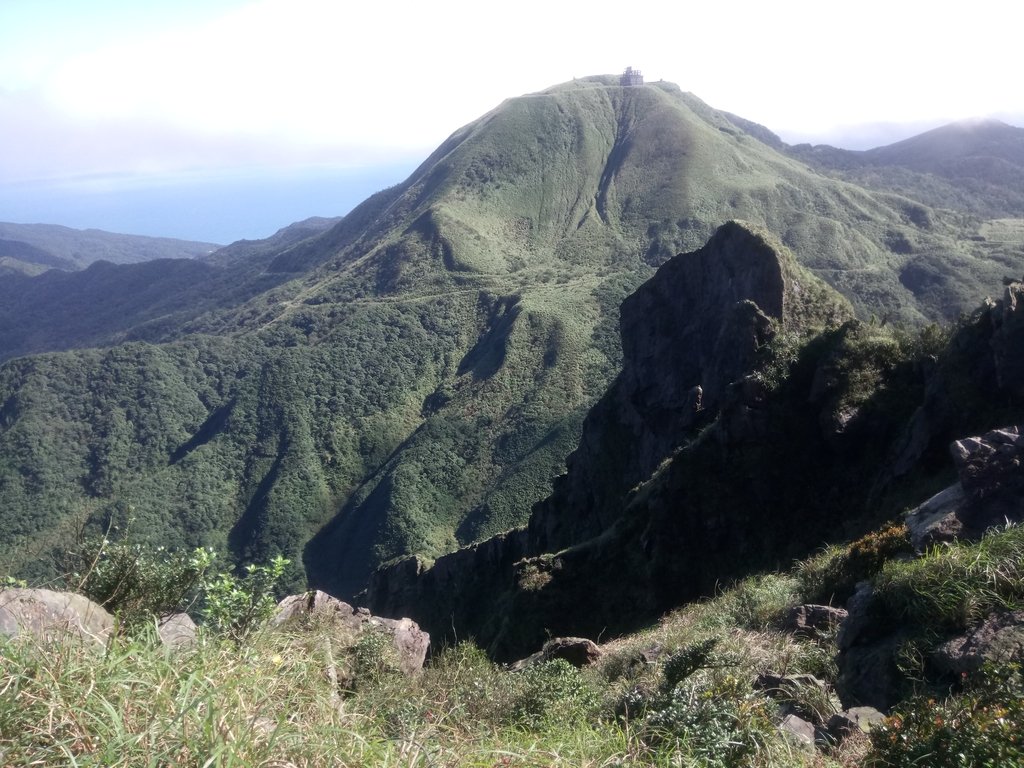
953,586
310,698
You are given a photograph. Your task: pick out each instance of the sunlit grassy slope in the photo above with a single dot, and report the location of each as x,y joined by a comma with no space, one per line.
412,378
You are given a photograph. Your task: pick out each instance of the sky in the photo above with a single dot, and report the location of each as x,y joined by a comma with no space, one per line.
222,119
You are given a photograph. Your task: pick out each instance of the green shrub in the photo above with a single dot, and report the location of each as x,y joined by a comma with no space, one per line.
551,692
374,661
981,727
832,575
683,663
236,605
136,582
718,724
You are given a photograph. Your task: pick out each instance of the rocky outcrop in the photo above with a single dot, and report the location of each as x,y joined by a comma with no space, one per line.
989,491
868,647
577,651
409,641
1007,320
688,334
748,426
596,556
50,615
998,639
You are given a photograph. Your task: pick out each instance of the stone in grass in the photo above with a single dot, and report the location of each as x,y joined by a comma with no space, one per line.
49,615
409,640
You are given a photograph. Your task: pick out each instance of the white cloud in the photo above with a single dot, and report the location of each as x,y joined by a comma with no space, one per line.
303,80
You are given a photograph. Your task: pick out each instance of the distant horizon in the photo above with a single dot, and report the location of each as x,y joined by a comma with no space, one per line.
225,205
136,94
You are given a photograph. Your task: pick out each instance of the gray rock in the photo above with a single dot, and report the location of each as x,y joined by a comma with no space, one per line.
812,620
1000,638
859,619
991,470
938,519
785,685
50,615
578,651
868,673
798,732
177,631
409,640
862,719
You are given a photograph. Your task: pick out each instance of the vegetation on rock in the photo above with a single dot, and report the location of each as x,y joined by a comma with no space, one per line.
408,379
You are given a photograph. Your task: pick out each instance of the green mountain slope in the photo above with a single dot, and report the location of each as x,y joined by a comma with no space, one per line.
972,165
411,378
33,248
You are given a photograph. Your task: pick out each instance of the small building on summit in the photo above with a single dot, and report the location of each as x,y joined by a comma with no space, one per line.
631,77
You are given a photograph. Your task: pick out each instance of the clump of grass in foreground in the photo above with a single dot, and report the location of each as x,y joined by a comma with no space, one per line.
282,699
270,702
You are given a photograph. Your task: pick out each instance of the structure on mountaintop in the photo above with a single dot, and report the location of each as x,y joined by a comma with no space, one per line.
631,77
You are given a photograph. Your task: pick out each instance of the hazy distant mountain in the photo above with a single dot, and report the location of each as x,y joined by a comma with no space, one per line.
411,378
33,248
973,165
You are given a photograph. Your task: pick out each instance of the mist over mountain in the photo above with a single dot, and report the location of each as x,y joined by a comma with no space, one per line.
410,378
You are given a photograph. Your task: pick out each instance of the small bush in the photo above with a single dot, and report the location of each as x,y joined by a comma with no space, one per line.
832,575
374,661
685,662
135,582
982,726
551,692
236,605
715,723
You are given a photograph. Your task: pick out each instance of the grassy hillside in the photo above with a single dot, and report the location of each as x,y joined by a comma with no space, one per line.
32,248
693,690
411,378
972,166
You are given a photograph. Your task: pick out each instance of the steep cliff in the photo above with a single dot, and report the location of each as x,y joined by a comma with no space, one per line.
752,422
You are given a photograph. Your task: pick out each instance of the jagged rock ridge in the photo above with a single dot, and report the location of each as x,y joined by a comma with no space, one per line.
773,462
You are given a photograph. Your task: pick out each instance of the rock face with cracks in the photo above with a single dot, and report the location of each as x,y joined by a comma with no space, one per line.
692,338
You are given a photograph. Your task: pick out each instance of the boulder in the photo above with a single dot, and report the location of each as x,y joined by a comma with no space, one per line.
868,648
578,651
50,615
812,620
409,640
852,720
938,519
177,631
798,732
1000,639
